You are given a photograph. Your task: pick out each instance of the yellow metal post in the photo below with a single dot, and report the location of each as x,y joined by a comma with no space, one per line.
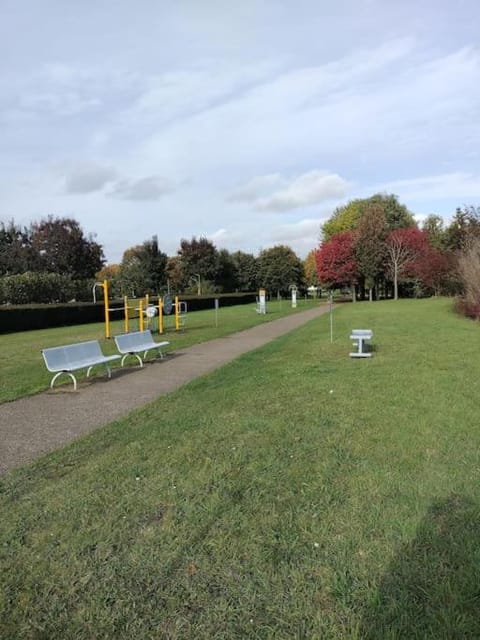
125,309
177,314
107,310
140,316
160,315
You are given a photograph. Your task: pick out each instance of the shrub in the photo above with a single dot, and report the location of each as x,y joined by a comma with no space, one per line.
32,287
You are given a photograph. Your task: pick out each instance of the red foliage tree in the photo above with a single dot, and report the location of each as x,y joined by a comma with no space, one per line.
433,268
335,260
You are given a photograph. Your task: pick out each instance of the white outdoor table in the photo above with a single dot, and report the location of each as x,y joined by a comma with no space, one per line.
360,336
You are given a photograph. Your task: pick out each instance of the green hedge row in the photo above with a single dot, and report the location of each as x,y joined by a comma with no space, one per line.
27,317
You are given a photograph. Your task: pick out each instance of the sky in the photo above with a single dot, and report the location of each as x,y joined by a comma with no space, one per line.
244,122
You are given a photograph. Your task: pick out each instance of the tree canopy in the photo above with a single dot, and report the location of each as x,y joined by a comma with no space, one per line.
279,268
346,217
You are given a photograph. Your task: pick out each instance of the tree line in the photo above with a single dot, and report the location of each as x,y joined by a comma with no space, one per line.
55,260
374,247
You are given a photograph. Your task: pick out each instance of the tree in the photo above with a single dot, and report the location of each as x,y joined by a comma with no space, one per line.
344,218
143,268
176,278
15,249
347,217
226,277
199,259
434,269
469,272
434,231
310,268
404,246
246,270
370,248
278,268
464,226
59,245
336,262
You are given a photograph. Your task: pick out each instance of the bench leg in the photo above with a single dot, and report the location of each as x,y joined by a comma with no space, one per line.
132,354
57,375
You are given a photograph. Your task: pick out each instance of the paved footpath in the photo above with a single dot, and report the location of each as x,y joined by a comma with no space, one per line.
35,425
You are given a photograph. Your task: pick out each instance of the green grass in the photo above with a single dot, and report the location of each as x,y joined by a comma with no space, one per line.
294,493
23,371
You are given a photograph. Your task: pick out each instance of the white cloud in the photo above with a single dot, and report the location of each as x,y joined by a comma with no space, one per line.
149,188
306,190
88,178
460,185
255,188
302,236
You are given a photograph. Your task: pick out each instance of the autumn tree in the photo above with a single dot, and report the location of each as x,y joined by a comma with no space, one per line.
175,274
347,217
279,268
336,261
403,247
310,268
469,272
370,246
434,268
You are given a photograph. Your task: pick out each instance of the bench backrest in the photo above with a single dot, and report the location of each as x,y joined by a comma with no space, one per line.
134,340
71,355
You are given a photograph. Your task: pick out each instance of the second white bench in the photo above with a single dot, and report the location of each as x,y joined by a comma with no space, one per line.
132,344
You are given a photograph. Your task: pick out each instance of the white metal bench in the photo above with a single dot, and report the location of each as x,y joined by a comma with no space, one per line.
131,344
359,336
72,357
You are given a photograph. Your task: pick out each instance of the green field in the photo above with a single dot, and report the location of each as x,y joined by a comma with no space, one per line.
294,493
23,371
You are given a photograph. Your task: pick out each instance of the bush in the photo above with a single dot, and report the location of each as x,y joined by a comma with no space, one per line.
468,309
32,287
469,274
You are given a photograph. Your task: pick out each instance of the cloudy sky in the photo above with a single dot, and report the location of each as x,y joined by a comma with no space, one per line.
246,122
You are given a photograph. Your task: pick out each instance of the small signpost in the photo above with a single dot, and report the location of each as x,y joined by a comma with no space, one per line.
331,317
294,296
262,304
217,304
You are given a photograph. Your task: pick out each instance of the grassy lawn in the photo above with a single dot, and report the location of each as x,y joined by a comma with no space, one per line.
294,493
23,371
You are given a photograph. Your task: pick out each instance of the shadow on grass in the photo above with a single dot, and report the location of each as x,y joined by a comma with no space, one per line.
432,589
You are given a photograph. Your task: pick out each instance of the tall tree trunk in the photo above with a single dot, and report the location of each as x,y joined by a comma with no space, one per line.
354,296
395,282
370,294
